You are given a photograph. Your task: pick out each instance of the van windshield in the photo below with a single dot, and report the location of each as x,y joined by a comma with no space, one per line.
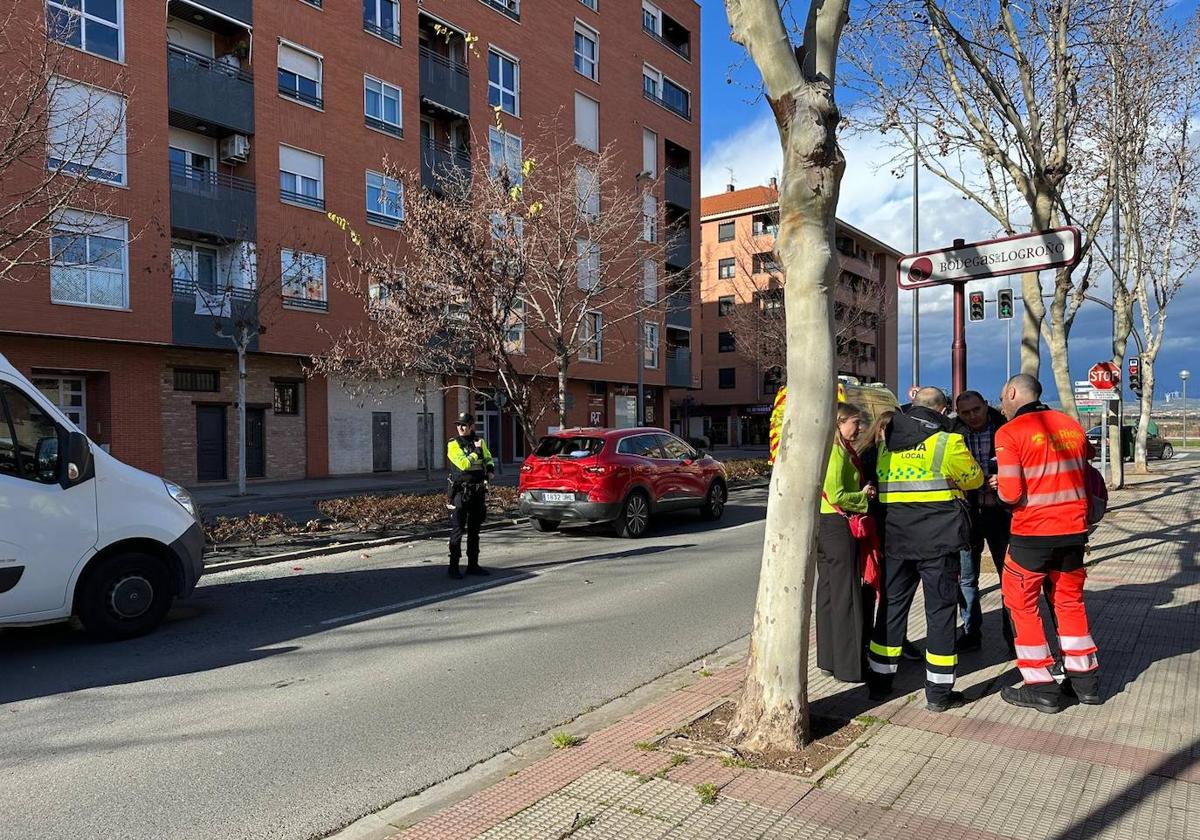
569,447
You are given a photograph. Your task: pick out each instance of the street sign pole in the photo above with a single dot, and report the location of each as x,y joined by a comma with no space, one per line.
958,346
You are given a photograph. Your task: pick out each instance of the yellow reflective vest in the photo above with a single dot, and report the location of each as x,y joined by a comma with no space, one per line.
939,469
466,462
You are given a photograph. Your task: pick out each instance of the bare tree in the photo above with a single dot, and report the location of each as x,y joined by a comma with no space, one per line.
799,83
62,139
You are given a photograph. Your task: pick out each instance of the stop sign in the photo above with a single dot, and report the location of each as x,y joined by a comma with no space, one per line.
1104,376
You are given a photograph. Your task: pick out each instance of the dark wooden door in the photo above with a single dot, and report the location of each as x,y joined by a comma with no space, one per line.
381,441
210,443
256,445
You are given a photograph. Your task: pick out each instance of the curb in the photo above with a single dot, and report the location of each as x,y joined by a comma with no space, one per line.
383,542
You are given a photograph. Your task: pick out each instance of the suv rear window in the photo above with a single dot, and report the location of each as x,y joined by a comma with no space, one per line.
569,447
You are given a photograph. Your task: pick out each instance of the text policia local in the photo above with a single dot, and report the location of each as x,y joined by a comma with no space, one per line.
1031,252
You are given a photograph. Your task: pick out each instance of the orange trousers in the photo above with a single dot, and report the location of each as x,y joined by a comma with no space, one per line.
1022,589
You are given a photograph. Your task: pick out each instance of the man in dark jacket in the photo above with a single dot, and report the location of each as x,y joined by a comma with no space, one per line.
991,520
471,468
923,471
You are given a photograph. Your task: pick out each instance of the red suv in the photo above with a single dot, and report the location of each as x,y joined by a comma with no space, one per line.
622,476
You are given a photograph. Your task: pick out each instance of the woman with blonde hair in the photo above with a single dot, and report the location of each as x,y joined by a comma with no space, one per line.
843,607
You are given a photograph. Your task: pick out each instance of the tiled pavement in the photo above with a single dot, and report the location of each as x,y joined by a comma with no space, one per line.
1127,769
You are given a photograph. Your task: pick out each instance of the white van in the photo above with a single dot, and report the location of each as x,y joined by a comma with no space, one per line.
82,533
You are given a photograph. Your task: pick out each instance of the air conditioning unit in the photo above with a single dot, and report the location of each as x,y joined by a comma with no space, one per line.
235,148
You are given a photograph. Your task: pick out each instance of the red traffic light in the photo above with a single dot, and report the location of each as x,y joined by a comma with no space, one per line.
975,309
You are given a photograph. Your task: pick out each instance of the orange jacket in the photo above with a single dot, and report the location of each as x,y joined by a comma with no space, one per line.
1040,456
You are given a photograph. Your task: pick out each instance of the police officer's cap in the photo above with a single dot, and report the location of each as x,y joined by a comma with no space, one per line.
466,419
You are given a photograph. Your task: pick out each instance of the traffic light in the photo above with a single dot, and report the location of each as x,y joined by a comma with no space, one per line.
1004,304
976,308
1135,375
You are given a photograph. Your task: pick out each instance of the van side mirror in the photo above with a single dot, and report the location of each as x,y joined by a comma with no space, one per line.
79,457
45,458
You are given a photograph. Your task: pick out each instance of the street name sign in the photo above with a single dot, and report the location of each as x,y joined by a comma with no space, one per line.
990,258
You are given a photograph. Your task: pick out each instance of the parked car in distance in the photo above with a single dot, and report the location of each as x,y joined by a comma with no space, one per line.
1156,447
622,476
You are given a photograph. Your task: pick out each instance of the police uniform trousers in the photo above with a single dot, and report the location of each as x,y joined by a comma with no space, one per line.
467,517
844,605
1026,571
939,579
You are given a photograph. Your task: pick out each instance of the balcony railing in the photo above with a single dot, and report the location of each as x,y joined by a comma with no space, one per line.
510,8
683,108
445,83
679,367
309,304
679,186
315,202
209,90
681,50
379,31
212,203
679,308
301,96
679,250
441,164
380,125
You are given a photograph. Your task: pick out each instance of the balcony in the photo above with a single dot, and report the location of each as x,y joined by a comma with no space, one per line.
441,164
445,84
678,103
242,10
674,37
679,186
382,32
305,304
679,308
212,204
203,90
508,8
679,367
679,250
195,312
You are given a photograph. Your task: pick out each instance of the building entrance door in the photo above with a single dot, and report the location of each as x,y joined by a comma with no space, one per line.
210,443
381,441
256,444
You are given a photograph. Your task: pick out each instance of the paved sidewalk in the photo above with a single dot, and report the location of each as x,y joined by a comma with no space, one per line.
1127,769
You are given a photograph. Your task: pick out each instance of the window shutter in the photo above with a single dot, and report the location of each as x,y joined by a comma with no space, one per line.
298,62
587,122
650,153
300,162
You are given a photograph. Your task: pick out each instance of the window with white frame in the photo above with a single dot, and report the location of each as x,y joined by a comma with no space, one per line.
514,339
385,200
504,152
591,4
300,73
303,279
650,345
382,18
650,152
301,177
651,82
649,218
587,51
587,122
504,75
85,131
651,18
587,264
587,190
194,266
591,338
67,393
649,281
90,263
94,26
381,105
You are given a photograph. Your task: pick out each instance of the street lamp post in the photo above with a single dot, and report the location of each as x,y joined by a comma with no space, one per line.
640,413
1184,376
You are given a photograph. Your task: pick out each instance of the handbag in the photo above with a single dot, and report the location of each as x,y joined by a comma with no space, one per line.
862,528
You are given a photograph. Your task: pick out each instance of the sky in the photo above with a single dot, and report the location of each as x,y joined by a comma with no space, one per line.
738,134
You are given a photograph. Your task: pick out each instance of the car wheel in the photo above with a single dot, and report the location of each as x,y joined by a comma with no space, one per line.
635,516
1168,452
546,525
714,502
124,596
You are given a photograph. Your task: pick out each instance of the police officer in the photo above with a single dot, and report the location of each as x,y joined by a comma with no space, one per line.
471,467
923,471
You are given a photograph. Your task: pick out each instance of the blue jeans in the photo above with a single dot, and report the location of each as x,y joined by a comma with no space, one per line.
968,594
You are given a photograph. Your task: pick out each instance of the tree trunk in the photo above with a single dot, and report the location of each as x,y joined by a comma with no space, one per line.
241,411
1144,406
1122,324
1031,324
1060,364
562,391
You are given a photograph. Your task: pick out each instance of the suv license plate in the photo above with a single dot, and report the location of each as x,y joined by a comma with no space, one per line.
558,497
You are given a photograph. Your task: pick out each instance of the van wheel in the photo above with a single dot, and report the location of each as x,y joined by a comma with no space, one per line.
714,502
124,596
635,516
546,525
1168,452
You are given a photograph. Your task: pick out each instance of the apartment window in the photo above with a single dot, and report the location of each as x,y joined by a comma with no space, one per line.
587,51
651,18
587,122
726,268
514,339
89,261
727,378
587,187
772,381
300,75
194,267
385,200
303,280
587,264
287,398
591,348
381,104
512,8
649,281
503,82
85,131
726,231
301,177
676,98
651,82
764,263
650,152
771,301
649,218
197,379
650,345
726,343
504,150
766,225
591,4
382,18
90,25
725,305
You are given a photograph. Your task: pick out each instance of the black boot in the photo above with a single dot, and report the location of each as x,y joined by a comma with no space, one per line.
454,572
476,569
1083,687
878,690
953,700
1046,699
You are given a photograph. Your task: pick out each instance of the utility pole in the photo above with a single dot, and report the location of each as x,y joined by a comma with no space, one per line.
640,412
916,247
1184,376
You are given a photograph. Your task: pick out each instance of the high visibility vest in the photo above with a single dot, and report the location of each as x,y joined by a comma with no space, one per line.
1041,457
776,424
923,473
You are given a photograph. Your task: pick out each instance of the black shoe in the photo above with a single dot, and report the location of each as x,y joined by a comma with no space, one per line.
477,570
911,652
1046,702
455,573
953,700
1088,695
878,693
968,643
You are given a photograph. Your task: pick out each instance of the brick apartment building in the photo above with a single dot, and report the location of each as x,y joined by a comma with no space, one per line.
244,122
740,285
